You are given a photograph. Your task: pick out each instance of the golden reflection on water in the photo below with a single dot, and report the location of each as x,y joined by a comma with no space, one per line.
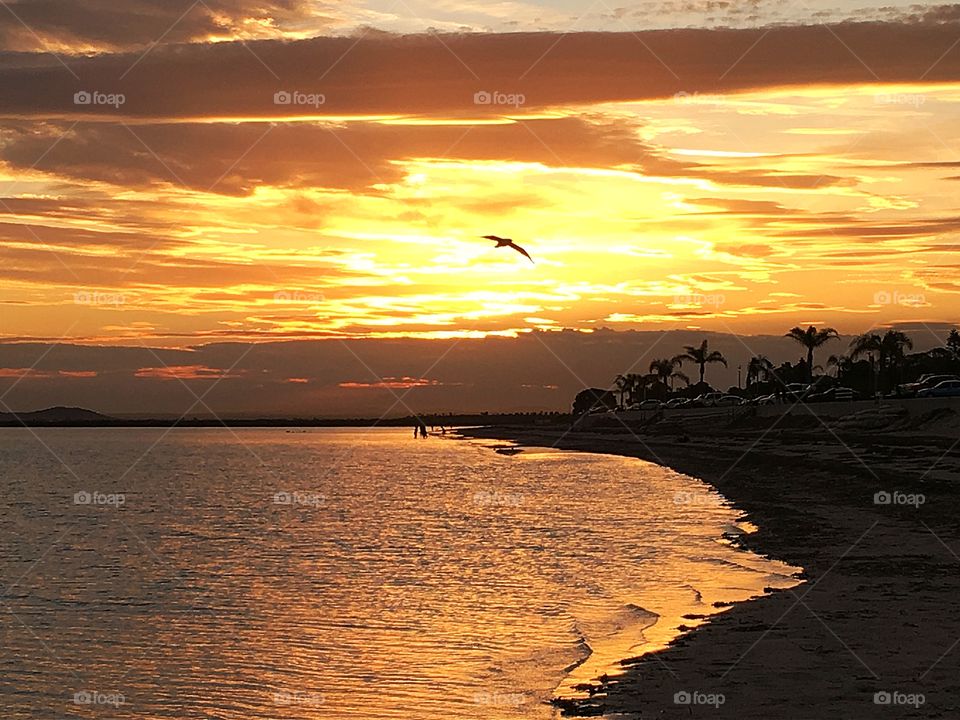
344,574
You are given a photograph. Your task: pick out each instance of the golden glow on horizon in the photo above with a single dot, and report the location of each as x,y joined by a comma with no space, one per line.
750,211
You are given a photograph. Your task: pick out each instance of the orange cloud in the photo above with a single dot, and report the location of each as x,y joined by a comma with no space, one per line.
404,383
185,372
35,374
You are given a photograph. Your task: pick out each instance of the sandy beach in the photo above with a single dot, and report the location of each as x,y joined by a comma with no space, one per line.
873,630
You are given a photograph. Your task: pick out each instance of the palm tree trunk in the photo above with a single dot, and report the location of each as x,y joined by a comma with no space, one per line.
809,364
703,367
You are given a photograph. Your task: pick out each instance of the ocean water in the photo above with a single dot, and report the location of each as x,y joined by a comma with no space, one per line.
263,573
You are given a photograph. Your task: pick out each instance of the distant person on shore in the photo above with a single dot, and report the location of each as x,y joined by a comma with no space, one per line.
423,430
416,431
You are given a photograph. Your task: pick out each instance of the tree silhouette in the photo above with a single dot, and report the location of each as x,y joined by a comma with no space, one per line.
667,369
888,349
811,339
701,356
953,343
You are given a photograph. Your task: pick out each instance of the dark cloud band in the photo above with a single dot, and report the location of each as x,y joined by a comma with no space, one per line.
456,74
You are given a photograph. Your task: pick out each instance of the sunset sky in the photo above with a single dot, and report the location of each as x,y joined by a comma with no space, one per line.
177,175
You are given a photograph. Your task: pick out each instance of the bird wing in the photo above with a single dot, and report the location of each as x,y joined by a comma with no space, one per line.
521,251
495,238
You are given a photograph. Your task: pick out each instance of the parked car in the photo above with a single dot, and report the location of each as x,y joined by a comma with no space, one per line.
924,382
728,401
600,410
650,405
834,394
677,403
798,390
709,399
764,400
947,388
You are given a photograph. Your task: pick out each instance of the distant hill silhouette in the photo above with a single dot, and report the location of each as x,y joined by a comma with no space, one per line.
80,417
54,416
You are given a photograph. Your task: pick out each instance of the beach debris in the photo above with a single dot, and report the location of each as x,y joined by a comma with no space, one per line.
578,707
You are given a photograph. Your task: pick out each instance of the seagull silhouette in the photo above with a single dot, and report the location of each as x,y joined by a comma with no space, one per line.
507,242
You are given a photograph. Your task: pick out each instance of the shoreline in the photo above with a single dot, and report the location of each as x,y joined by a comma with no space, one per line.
872,621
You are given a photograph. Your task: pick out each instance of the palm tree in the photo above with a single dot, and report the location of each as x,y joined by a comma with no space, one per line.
665,370
701,356
866,344
895,343
869,344
759,368
662,368
887,348
811,339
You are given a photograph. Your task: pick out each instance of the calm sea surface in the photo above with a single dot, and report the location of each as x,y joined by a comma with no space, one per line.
263,573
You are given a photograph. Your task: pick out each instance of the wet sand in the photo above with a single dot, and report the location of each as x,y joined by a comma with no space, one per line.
877,618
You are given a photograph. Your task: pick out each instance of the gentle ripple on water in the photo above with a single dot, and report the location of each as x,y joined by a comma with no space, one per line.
406,579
